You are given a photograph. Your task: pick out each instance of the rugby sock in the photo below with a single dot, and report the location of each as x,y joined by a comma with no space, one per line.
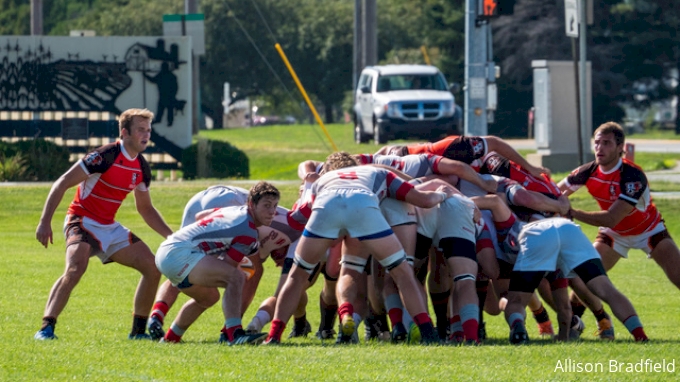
174,334
394,308
601,315
345,309
482,290
455,326
469,314
440,303
514,318
424,323
357,320
541,315
578,308
634,326
159,310
259,321
276,330
230,326
48,321
300,323
328,313
138,324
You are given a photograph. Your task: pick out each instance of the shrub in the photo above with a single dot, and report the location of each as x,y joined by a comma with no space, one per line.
12,169
42,160
214,159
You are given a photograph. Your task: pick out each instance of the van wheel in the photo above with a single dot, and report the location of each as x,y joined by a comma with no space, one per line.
359,136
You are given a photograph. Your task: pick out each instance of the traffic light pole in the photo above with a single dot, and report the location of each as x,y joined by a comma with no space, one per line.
476,72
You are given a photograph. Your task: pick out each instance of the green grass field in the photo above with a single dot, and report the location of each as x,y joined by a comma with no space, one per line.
93,329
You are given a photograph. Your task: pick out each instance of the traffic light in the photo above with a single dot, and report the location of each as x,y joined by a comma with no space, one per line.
494,8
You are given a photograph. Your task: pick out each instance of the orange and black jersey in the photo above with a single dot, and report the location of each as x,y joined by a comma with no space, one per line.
496,164
456,147
113,174
626,182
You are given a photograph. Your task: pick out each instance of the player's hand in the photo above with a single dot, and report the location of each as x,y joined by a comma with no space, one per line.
448,190
311,177
537,171
44,234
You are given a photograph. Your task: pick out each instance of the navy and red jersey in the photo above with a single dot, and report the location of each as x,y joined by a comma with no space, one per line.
626,182
456,147
496,164
113,174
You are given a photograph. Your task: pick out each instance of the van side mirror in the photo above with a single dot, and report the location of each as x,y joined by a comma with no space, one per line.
365,89
454,87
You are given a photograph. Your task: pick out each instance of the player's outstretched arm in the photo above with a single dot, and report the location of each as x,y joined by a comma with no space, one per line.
609,218
150,214
503,148
70,178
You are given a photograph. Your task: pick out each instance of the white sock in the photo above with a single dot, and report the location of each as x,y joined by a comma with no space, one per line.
261,319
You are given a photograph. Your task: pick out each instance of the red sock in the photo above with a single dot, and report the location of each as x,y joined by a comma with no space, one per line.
470,328
276,330
159,310
230,331
639,334
422,318
345,309
170,336
396,315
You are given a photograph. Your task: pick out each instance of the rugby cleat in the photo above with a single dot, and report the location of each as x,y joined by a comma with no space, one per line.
546,329
399,333
139,336
518,334
45,334
297,332
155,327
577,328
605,329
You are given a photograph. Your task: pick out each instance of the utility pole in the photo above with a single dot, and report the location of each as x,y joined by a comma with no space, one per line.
191,7
358,42
36,18
585,134
365,37
476,73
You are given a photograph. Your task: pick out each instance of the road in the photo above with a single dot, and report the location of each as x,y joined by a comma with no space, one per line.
641,145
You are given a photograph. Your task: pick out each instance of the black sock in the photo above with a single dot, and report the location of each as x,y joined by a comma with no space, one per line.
541,315
381,322
138,325
482,290
440,303
328,313
48,321
300,322
601,315
578,309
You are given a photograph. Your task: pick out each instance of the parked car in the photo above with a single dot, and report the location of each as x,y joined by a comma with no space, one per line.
404,101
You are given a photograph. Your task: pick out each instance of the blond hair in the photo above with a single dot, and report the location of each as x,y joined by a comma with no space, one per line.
125,119
340,159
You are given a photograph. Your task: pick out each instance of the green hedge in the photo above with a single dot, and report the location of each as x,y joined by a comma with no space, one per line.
41,160
214,159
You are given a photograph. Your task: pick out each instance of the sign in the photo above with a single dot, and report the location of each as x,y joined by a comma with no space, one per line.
100,74
192,25
477,88
571,17
74,128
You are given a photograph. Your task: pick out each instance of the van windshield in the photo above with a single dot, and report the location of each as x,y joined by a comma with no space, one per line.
411,82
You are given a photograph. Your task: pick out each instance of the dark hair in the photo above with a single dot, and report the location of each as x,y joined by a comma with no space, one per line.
262,189
612,128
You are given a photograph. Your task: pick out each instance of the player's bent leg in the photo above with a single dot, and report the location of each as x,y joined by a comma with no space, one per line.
77,259
667,255
202,298
140,257
592,273
608,255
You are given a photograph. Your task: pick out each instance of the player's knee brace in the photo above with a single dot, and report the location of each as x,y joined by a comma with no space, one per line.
392,261
355,263
307,267
464,276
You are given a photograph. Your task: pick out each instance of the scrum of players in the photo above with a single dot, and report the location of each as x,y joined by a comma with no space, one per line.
465,222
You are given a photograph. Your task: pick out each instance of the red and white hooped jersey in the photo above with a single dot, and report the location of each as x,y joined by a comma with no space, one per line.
456,147
414,165
378,181
113,174
626,182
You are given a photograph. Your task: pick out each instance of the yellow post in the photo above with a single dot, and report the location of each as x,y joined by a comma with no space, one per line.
425,55
304,94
